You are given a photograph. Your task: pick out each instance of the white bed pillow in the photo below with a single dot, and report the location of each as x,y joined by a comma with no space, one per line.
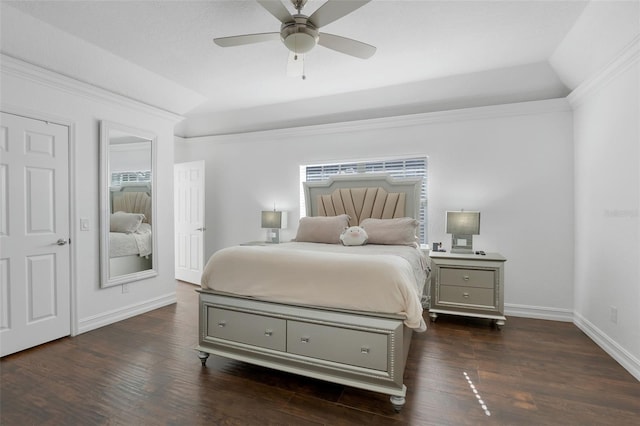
126,222
400,231
322,229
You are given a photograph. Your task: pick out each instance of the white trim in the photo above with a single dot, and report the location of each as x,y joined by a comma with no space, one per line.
369,125
116,315
617,352
629,56
538,312
43,76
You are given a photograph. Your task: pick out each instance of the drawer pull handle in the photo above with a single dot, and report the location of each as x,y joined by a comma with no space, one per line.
304,339
221,324
465,295
268,333
465,277
364,350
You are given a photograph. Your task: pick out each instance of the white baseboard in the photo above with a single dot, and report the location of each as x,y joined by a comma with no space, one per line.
110,317
621,355
618,353
538,312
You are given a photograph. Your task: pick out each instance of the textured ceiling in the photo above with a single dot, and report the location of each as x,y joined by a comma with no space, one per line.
418,44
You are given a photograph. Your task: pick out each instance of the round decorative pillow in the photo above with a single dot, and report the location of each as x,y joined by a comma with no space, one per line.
354,236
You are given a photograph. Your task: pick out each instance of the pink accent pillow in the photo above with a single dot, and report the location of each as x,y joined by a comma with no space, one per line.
322,229
400,231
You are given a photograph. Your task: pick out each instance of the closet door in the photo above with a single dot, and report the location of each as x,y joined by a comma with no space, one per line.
34,233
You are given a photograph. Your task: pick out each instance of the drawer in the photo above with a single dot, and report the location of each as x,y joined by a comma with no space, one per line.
353,347
466,295
257,330
467,277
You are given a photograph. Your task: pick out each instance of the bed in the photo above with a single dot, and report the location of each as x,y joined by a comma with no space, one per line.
317,308
130,241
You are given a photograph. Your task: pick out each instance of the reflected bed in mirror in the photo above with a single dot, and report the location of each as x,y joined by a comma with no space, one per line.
127,234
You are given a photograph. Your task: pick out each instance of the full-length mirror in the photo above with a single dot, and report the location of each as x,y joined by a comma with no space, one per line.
127,204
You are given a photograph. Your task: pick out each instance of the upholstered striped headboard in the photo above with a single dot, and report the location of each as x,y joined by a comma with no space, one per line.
363,196
133,202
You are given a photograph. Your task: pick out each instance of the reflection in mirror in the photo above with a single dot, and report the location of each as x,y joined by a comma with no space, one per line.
127,239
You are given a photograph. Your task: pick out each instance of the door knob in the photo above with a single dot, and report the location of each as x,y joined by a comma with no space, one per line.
61,242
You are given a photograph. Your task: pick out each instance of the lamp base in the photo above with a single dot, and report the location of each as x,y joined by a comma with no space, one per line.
462,243
273,236
461,251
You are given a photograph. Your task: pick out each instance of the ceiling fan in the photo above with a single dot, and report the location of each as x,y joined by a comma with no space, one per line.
300,33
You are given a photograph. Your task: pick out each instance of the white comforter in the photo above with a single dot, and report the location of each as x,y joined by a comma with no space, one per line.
135,243
383,279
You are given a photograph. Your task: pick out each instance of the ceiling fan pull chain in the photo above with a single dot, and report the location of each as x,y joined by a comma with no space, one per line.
304,76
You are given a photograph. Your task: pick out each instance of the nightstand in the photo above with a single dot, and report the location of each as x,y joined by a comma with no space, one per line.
468,284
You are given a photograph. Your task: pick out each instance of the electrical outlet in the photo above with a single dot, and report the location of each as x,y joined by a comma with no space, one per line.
613,314
125,288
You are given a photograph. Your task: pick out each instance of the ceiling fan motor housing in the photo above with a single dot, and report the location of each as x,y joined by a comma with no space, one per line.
299,36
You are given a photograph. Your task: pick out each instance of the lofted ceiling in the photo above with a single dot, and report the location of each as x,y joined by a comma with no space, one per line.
430,55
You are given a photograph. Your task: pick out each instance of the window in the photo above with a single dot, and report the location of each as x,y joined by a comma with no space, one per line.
119,178
398,168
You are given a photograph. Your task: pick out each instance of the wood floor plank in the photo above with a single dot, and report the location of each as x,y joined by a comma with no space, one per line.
144,371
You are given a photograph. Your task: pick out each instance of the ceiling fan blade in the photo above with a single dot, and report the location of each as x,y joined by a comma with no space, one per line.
295,66
245,39
333,10
277,9
346,45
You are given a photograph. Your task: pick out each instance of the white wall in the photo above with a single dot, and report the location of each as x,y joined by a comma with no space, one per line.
31,91
607,159
511,162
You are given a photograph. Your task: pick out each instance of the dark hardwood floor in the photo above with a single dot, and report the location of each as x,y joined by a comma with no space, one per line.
144,371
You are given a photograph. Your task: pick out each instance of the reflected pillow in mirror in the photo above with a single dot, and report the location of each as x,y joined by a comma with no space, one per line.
126,222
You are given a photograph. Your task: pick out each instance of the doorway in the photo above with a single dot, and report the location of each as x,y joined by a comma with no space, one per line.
189,216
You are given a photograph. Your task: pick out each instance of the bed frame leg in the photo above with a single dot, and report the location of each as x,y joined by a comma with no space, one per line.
203,357
397,402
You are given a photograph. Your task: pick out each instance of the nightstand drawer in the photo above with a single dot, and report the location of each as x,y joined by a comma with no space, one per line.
258,330
467,277
466,295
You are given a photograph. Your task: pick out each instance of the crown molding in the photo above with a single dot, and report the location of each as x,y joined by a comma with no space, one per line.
466,114
627,58
26,71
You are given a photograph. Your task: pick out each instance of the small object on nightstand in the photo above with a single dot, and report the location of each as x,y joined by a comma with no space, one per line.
481,253
437,247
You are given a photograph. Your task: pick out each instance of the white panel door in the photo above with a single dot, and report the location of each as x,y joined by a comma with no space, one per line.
34,233
189,220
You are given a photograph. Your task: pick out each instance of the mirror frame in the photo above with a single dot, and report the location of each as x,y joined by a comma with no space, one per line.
106,127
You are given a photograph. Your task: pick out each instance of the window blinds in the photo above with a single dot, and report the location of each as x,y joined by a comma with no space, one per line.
118,178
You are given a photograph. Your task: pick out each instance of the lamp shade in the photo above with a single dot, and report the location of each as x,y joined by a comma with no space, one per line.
463,223
272,219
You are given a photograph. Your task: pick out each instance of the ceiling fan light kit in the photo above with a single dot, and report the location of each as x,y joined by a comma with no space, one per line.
299,36
300,33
